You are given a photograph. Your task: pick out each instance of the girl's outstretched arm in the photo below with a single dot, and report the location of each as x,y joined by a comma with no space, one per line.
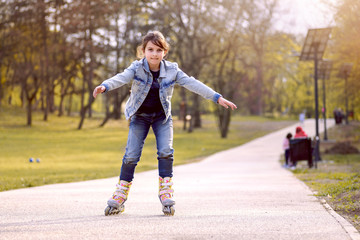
226,104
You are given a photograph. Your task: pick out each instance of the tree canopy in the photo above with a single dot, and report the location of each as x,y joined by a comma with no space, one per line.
54,52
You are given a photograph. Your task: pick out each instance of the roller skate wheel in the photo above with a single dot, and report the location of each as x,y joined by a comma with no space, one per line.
107,210
112,211
169,210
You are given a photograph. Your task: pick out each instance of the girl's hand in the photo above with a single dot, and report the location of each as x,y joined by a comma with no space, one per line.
226,104
97,90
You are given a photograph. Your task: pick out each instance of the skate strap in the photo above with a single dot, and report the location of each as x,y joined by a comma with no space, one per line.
120,194
121,188
166,191
120,191
169,184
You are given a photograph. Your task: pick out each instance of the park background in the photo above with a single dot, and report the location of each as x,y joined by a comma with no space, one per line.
54,52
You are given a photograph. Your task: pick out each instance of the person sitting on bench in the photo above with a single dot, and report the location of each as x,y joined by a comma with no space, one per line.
300,133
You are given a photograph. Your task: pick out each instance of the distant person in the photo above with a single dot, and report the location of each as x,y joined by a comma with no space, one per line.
338,115
299,133
302,118
286,148
149,105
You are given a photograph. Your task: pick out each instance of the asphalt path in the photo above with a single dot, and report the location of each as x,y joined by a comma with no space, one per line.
241,193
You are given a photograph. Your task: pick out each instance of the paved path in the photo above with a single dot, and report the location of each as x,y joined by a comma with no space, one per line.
242,193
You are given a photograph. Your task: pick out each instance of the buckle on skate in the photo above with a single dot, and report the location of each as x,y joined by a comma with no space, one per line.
168,184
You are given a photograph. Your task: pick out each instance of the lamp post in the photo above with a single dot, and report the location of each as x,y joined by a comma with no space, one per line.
325,69
345,71
313,49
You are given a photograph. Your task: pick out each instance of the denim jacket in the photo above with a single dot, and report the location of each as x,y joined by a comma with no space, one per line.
170,74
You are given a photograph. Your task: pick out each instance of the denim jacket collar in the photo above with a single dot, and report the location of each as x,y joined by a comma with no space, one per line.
147,68
145,65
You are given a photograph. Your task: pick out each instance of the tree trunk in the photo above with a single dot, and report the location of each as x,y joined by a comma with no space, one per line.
117,102
196,115
1,89
224,116
61,106
29,112
82,108
91,67
117,106
108,116
44,59
259,86
82,117
69,105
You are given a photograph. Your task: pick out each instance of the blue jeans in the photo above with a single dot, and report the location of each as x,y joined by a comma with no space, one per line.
140,124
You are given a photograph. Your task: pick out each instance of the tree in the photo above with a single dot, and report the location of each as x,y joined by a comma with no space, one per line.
84,20
256,36
68,47
189,24
6,47
42,14
346,48
25,55
127,20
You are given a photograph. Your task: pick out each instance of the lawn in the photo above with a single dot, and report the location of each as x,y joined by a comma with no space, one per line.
337,178
67,154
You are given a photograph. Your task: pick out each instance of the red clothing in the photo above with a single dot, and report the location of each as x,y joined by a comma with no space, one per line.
300,133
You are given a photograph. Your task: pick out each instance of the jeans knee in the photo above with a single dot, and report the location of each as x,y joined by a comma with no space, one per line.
133,161
166,155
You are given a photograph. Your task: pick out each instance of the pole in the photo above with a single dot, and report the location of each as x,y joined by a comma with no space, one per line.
324,104
317,139
346,100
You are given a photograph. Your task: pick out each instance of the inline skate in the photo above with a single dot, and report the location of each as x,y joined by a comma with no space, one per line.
116,202
166,196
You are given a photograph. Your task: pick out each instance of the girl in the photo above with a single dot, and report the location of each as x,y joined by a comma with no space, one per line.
149,105
286,147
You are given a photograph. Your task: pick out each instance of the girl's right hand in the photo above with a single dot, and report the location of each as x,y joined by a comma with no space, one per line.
97,90
226,103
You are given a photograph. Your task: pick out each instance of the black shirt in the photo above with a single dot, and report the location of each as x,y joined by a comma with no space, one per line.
152,102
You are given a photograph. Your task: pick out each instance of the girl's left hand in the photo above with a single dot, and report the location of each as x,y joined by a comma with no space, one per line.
226,104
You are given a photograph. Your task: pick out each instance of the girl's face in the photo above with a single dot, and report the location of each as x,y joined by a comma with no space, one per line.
154,55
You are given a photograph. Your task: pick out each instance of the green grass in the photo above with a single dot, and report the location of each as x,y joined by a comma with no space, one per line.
337,178
69,155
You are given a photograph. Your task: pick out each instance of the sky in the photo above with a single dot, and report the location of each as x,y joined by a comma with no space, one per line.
300,15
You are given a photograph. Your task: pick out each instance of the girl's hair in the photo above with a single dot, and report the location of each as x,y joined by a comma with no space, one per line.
156,38
289,135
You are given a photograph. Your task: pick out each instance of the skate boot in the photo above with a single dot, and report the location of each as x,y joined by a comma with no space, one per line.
166,196
116,202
